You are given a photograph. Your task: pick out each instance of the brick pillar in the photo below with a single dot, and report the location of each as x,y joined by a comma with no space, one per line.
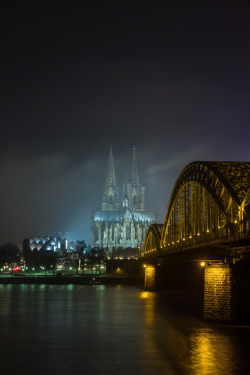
227,293
149,279
218,293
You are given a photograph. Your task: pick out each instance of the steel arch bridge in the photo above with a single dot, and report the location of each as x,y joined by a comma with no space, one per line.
210,203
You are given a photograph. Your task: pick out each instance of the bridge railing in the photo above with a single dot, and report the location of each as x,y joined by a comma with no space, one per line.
185,246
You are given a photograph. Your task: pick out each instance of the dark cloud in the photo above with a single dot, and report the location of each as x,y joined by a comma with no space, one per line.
171,78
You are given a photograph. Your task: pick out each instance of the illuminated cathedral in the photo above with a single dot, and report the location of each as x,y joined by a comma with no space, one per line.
121,224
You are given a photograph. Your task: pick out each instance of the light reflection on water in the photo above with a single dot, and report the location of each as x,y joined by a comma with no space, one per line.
60,329
210,353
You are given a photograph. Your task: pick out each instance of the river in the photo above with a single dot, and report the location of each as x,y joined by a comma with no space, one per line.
101,329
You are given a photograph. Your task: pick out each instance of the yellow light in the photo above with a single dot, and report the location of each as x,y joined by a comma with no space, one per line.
149,277
207,230
144,295
144,265
202,264
190,236
198,234
235,221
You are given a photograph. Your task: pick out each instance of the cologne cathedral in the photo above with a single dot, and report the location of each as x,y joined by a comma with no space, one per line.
121,224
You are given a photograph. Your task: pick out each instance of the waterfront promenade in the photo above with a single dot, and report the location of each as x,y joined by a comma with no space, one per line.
77,280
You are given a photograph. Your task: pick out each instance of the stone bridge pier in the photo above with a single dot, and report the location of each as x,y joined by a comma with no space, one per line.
226,292
174,275
224,286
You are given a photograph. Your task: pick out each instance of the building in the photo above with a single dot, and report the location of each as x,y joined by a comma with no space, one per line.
121,224
57,244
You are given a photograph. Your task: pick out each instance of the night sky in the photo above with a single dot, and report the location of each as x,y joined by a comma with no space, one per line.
170,77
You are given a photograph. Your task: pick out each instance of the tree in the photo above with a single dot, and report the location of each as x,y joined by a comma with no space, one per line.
80,246
9,253
76,258
48,259
96,257
32,259
74,261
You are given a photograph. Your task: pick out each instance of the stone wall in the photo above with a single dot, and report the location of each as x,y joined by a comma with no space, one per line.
227,293
149,279
218,293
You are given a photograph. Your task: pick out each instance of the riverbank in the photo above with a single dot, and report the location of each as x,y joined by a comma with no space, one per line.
78,280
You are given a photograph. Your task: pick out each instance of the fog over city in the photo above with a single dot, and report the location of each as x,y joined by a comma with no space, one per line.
170,78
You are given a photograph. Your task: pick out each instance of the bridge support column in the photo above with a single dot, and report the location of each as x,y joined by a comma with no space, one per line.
149,279
174,275
226,293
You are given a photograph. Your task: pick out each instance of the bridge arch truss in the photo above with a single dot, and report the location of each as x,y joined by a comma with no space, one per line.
210,201
153,238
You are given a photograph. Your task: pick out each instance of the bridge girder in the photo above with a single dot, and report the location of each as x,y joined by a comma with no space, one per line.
153,238
210,200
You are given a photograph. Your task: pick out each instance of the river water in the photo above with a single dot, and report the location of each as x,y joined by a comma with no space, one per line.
97,329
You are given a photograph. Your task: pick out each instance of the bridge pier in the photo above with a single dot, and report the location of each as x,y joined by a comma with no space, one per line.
174,275
225,287
226,293
149,278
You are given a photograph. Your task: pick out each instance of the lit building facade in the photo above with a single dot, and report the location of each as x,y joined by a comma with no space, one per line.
121,224
56,244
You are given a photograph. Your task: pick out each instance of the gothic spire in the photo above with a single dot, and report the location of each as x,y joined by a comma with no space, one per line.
125,192
134,177
110,201
110,179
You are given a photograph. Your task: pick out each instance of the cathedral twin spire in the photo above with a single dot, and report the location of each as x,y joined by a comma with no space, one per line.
110,199
110,179
134,178
121,226
133,192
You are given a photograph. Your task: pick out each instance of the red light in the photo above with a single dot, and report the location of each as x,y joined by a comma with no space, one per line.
17,268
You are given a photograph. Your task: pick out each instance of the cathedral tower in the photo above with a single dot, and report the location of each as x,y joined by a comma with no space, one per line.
110,198
114,228
133,191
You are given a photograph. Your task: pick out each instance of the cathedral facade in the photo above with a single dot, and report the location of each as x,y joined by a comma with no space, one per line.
121,224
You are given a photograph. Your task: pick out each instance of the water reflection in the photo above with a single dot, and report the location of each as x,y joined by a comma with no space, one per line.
211,353
150,340
100,329
186,345
149,306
